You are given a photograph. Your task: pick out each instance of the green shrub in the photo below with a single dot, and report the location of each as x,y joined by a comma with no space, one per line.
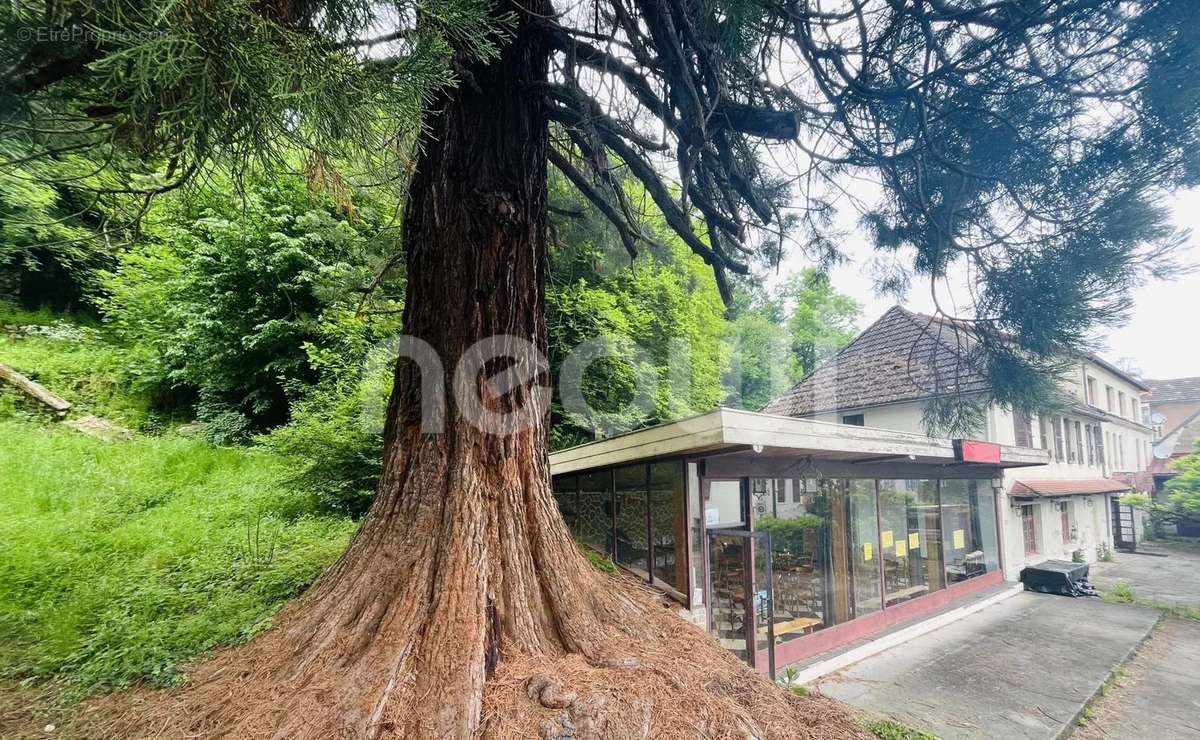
1120,593
334,442
231,290
49,246
118,561
792,534
889,729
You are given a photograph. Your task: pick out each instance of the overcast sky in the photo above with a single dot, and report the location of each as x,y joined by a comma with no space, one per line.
1163,333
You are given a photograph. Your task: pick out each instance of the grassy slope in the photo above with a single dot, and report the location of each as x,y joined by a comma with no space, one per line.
119,560
85,372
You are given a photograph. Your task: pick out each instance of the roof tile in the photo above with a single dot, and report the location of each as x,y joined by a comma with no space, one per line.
1174,390
904,356
1046,488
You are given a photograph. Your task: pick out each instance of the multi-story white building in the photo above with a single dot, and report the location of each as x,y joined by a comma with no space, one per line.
890,373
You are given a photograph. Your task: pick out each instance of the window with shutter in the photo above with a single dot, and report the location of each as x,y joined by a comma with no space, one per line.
1022,428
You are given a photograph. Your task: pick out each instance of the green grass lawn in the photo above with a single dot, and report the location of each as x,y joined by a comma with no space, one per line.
81,367
119,560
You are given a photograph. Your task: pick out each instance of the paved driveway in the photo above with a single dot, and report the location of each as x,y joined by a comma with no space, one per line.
1022,668
1163,575
1158,695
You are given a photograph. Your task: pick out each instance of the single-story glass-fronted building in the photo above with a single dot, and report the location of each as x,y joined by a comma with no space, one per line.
786,537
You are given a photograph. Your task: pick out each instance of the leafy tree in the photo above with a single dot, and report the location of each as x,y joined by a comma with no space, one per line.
1185,488
48,249
648,311
822,320
759,359
1029,142
230,295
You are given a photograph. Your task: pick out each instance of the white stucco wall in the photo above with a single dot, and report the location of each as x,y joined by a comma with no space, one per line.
901,417
1090,530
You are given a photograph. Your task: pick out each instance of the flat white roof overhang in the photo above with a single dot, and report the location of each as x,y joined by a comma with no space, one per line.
728,430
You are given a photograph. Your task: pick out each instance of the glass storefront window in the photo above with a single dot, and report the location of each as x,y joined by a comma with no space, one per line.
910,539
632,536
800,561
595,516
696,535
969,529
565,489
667,522
864,547
723,505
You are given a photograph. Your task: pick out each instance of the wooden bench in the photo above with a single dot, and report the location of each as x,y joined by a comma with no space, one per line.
802,624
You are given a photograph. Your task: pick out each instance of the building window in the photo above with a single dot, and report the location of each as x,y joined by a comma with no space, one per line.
802,562
631,535
854,420
863,545
1089,431
594,525
910,539
1101,439
1121,403
1022,428
1058,441
566,495
668,522
1108,397
969,529
723,506
1067,440
1091,393
1079,443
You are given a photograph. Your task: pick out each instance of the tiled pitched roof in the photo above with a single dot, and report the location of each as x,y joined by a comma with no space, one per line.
904,356
1182,439
1042,488
1174,390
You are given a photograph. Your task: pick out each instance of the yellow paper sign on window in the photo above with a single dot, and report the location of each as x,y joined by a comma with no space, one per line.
914,540
868,550
901,549
959,539
886,537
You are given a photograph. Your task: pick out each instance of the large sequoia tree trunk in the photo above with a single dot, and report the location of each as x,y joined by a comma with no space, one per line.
463,557
463,607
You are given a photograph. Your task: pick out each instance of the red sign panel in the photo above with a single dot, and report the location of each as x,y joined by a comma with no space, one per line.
973,451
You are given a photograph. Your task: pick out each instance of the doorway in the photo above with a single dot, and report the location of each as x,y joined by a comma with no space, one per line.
1029,529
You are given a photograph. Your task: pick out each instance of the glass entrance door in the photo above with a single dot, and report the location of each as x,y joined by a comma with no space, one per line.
741,608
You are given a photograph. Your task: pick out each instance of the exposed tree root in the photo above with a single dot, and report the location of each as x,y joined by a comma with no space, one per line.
464,609
669,679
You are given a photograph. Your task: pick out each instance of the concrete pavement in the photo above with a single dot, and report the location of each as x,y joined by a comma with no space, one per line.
1160,574
1021,668
1158,693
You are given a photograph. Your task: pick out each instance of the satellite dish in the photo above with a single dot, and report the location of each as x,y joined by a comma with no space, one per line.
1156,419
1162,452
